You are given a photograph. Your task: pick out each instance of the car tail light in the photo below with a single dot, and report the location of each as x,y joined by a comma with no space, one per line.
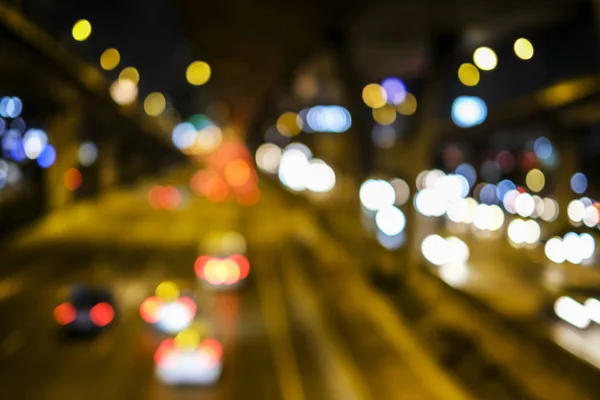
199,266
149,309
212,350
164,347
65,313
243,264
102,314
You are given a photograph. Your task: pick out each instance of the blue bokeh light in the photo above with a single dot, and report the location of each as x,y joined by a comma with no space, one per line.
395,90
542,147
487,195
468,171
579,183
17,152
333,119
504,187
47,157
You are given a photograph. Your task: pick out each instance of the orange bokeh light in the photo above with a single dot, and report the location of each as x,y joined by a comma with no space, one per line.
237,172
217,190
72,179
200,181
149,309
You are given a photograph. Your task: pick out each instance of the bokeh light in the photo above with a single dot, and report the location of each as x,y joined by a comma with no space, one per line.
468,111
535,180
503,188
385,115
130,74
123,91
542,148
485,58
34,142
551,210
591,216
87,154
292,169
579,183
334,119
188,339
572,312
47,157
155,104
375,194
198,73
524,205
82,30
72,179
524,232
440,251
576,210
390,220
468,171
237,172
320,177
395,90
374,95
167,291
408,106
184,135
110,59
267,157
523,49
289,124
468,74
402,191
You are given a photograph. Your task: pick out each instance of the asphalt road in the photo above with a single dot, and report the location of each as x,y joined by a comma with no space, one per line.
280,340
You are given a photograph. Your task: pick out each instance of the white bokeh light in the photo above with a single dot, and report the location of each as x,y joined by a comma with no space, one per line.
524,205
390,220
576,210
375,194
320,177
34,142
267,157
555,250
292,169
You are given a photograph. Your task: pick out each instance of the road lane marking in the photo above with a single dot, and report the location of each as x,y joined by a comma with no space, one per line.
272,303
348,382
10,287
393,327
13,343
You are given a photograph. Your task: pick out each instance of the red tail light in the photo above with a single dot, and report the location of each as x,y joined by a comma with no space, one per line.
65,313
102,314
165,346
243,264
199,266
212,349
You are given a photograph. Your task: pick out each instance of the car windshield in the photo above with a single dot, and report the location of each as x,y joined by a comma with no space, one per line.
89,298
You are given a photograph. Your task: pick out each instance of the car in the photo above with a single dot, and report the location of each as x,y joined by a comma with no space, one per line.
222,272
86,310
197,363
169,316
576,305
